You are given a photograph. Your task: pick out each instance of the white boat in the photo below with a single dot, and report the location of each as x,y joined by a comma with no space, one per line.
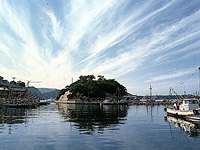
44,102
188,107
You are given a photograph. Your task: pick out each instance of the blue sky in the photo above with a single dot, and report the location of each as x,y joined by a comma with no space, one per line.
137,42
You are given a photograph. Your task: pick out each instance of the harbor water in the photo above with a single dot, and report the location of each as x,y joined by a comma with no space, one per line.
95,127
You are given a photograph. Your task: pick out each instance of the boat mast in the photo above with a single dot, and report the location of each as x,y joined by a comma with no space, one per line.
150,92
199,83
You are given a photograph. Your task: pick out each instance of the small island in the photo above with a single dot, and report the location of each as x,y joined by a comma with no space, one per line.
88,89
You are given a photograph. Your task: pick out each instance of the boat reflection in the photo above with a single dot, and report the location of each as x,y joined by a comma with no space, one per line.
89,119
191,129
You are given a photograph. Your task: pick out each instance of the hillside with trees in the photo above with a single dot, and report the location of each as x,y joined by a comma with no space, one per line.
88,87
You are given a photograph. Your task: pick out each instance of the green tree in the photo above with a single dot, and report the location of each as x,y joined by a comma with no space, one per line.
20,83
13,82
88,87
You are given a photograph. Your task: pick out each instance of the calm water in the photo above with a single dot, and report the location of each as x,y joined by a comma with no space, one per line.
59,127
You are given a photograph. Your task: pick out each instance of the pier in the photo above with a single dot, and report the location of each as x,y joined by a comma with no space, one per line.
14,95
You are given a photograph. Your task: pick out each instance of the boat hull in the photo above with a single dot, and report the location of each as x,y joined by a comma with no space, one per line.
179,113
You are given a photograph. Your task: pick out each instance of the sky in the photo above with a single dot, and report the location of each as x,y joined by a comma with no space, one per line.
136,42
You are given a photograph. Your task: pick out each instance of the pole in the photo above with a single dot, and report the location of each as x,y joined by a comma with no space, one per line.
150,92
199,83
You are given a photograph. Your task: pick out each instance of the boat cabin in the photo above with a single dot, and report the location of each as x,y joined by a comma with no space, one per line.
189,104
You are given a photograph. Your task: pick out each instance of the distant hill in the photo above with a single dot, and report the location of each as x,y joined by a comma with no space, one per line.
36,92
52,94
44,93
45,90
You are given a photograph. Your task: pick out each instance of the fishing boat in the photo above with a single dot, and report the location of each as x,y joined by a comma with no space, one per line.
188,107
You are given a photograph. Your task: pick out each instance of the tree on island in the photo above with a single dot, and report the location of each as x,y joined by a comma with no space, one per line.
87,87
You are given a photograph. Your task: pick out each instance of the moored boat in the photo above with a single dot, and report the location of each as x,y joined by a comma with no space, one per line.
188,107
114,102
44,102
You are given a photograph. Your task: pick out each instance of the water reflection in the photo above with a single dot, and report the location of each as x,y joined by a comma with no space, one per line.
12,115
89,119
190,129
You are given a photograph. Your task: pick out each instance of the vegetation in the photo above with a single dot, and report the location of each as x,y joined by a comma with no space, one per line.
20,83
87,87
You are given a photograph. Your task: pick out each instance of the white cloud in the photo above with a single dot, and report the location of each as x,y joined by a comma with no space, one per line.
99,37
56,27
176,74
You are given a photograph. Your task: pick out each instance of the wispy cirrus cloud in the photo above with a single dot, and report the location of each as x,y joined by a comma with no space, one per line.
56,30
176,74
113,38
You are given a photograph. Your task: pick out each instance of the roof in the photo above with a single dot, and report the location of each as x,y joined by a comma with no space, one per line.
7,84
3,83
14,87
